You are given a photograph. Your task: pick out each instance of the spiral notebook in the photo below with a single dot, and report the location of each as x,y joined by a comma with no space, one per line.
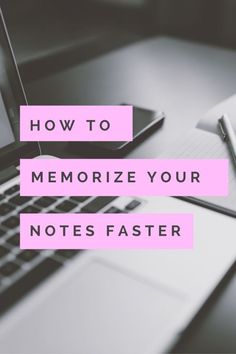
204,142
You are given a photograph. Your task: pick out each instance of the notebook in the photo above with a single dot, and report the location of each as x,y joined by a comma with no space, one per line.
204,142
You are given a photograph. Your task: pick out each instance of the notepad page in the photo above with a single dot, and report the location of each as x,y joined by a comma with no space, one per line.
210,120
199,144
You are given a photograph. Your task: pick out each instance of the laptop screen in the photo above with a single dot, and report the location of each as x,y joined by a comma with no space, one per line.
6,131
11,97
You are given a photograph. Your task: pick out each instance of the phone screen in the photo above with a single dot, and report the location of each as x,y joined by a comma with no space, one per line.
145,121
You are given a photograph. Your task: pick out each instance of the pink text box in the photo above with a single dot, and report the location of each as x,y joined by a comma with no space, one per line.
176,231
118,116
213,177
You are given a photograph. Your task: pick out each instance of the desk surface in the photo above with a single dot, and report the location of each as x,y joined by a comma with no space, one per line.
184,80
181,78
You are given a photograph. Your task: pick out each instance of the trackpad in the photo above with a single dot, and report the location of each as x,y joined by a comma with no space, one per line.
101,310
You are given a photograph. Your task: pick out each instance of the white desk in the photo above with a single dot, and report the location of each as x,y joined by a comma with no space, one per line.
184,80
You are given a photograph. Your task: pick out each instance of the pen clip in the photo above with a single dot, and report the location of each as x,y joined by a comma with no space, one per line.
221,129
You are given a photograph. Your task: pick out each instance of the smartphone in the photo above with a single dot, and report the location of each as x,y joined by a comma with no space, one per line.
145,122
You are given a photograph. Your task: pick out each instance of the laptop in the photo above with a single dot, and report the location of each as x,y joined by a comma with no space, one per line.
100,301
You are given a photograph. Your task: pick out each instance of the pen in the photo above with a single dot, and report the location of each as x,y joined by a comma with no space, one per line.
228,134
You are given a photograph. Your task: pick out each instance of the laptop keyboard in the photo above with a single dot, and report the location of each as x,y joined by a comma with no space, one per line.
22,270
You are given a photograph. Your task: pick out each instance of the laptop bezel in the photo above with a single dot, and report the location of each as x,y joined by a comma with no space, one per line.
11,154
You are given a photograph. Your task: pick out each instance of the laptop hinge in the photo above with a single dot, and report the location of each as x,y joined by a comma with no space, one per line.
8,173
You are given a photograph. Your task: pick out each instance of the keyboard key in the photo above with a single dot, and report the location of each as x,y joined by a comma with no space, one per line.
30,209
80,199
66,253
114,210
5,208
97,204
2,196
2,232
22,286
44,202
14,240
8,269
66,206
133,204
18,200
13,189
3,251
11,222
27,255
